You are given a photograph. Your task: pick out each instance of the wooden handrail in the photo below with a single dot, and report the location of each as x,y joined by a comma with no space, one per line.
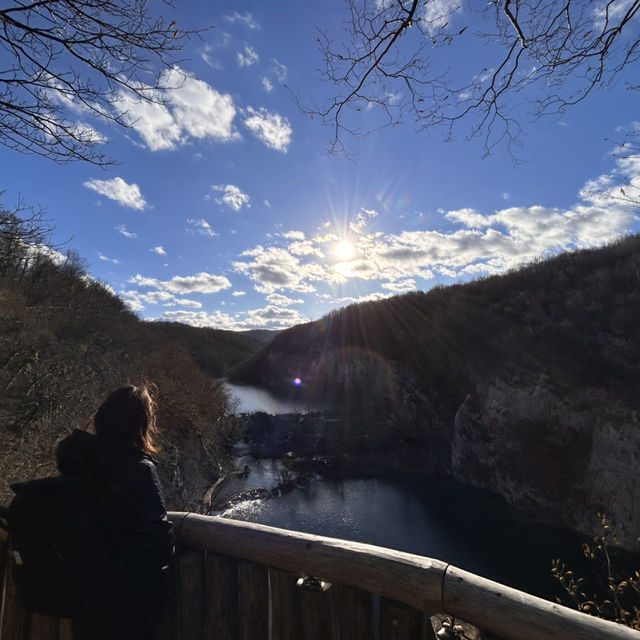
426,584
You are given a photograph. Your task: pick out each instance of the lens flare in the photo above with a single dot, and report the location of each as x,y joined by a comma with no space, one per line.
345,250
297,382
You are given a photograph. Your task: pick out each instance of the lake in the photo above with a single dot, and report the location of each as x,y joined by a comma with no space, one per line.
434,517
251,399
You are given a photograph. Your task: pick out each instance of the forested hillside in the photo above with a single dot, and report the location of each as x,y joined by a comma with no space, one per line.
214,350
575,316
66,340
525,384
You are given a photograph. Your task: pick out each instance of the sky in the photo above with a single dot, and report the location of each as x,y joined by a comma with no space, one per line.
226,210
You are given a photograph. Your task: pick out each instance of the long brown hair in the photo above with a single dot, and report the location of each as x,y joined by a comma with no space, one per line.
129,413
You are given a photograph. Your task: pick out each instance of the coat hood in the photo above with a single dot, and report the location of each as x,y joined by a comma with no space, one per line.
86,454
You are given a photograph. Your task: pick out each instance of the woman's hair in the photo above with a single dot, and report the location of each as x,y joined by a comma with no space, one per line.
129,413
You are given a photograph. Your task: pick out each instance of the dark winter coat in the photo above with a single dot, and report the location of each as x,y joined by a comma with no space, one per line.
128,597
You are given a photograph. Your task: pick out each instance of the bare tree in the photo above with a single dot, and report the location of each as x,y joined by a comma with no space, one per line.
406,57
60,58
23,230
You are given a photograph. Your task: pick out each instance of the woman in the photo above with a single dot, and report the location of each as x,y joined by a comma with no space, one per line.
125,596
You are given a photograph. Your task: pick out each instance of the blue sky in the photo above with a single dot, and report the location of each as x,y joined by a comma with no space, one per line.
225,210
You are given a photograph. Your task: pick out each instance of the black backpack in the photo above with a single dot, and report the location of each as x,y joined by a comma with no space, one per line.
57,543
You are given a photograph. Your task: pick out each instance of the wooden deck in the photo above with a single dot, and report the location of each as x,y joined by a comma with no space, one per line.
239,581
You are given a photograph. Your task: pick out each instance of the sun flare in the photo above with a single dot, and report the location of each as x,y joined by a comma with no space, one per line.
345,250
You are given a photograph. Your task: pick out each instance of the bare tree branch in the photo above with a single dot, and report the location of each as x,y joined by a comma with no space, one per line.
58,57
394,62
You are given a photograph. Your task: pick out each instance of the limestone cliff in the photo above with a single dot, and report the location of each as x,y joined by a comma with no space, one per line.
561,454
525,384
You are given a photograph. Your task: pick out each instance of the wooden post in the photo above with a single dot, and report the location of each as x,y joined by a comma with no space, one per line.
354,613
298,613
16,619
222,611
65,629
253,598
44,627
191,595
285,621
237,599
398,621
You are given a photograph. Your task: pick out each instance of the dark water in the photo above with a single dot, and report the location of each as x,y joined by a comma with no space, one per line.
251,399
433,517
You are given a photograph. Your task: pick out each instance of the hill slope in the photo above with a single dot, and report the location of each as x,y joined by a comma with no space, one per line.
525,383
66,341
214,350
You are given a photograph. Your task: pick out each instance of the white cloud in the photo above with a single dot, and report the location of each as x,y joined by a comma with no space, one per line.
200,110
233,197
437,14
84,132
606,13
363,218
235,294
159,250
58,93
106,259
272,317
220,40
276,268
128,195
400,286
364,269
267,85
248,57
153,121
132,302
300,245
201,227
199,283
121,229
502,240
372,297
155,297
293,235
279,300
216,320
245,18
137,301
186,108
185,302
267,318
468,217
479,243
278,70
207,57
271,128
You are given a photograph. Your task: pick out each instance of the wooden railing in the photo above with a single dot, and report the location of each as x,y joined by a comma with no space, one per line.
239,581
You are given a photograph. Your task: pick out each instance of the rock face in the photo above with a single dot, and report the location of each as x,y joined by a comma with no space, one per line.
562,455
525,384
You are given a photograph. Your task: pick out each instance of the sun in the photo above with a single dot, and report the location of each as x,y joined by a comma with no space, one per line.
345,250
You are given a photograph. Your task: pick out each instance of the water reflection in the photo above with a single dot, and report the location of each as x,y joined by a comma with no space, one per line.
251,399
433,517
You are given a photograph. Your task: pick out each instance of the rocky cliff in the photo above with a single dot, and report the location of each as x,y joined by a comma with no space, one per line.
561,454
524,384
